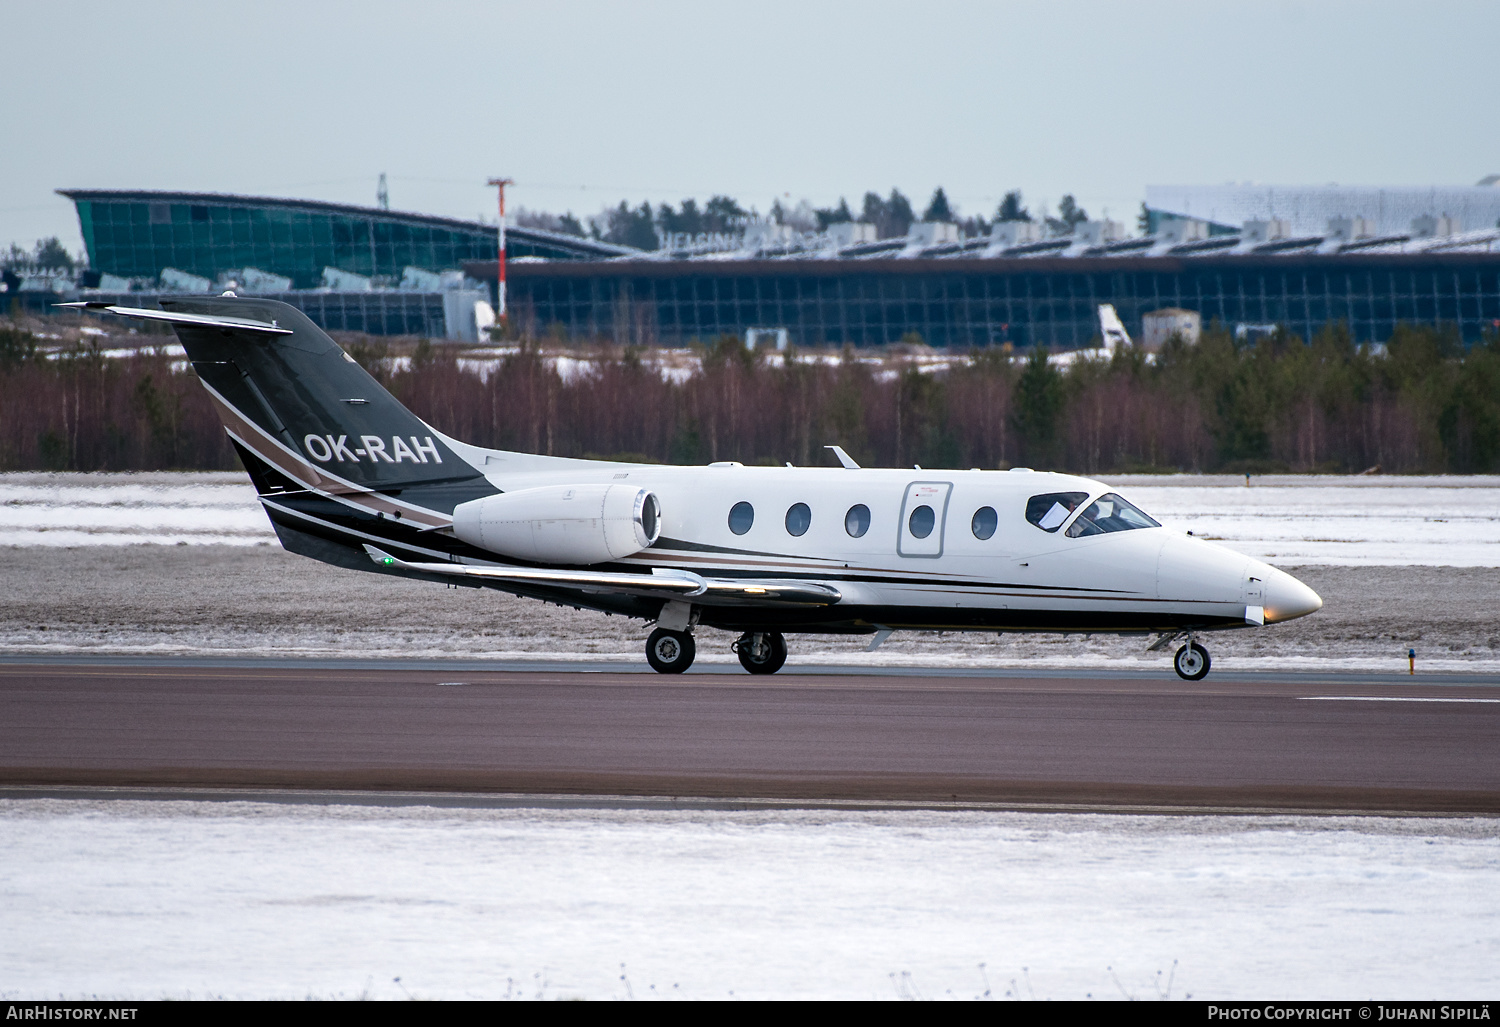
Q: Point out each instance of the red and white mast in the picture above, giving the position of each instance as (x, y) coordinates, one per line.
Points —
(500, 292)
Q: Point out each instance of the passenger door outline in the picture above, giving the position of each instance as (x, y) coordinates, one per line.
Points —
(918, 493)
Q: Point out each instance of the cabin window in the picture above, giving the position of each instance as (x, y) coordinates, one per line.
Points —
(1049, 511)
(741, 516)
(921, 521)
(985, 522)
(857, 520)
(1109, 513)
(797, 519)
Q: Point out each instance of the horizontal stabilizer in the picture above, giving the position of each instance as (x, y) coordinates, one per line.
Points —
(677, 585)
(241, 324)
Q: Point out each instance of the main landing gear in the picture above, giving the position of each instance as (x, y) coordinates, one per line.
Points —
(670, 652)
(761, 652)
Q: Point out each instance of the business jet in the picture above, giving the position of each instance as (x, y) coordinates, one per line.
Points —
(350, 477)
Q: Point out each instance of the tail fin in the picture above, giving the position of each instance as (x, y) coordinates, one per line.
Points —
(1111, 328)
(299, 403)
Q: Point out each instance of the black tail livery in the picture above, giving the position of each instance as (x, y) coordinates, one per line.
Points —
(337, 460)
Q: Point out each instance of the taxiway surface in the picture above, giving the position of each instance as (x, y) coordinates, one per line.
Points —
(1248, 741)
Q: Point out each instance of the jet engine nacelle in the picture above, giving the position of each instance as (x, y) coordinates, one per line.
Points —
(568, 524)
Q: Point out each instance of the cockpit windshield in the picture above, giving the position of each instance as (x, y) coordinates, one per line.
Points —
(1109, 513)
(1048, 512)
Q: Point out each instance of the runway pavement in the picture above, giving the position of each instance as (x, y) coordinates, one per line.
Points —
(1324, 742)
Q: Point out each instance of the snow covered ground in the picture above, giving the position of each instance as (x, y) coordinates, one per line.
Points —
(66, 510)
(1287, 520)
(240, 899)
(1296, 521)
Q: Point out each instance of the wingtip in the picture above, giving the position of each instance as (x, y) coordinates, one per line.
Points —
(380, 556)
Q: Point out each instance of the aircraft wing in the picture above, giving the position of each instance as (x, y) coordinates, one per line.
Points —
(678, 585)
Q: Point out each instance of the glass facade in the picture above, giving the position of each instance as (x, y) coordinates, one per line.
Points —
(136, 235)
(988, 302)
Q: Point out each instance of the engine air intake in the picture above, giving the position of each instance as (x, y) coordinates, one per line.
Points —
(576, 525)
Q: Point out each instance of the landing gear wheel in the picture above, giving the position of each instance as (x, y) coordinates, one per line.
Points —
(761, 652)
(1192, 662)
(670, 652)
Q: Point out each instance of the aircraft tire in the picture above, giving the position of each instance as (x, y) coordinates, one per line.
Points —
(670, 652)
(774, 658)
(1192, 662)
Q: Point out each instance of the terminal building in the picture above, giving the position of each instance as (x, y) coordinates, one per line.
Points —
(1296, 258)
(1248, 258)
(350, 268)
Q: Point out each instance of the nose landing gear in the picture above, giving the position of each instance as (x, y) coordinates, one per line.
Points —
(761, 652)
(670, 652)
(1192, 662)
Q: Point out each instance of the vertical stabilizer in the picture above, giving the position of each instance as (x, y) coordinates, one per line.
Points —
(1111, 329)
(301, 405)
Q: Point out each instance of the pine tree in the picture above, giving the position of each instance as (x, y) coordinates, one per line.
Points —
(899, 215)
(690, 220)
(632, 227)
(938, 209)
(1010, 208)
(51, 255)
(1070, 212)
(834, 215)
(721, 214)
(1038, 402)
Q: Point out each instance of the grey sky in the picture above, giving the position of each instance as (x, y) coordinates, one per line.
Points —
(587, 103)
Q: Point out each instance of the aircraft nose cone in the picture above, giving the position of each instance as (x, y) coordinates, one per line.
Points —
(1286, 598)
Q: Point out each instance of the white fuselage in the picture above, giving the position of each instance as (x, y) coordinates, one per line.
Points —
(1020, 575)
